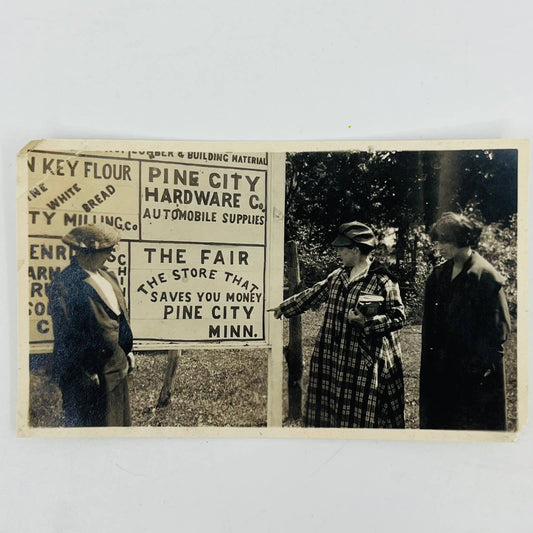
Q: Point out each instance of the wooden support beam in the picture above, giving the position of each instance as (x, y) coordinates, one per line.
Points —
(293, 352)
(170, 374)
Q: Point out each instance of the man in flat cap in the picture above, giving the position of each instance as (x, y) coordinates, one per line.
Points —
(356, 377)
(92, 336)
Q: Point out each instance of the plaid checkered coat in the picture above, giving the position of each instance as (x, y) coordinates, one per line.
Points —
(356, 376)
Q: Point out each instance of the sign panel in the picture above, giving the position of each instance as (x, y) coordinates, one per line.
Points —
(190, 203)
(194, 225)
(196, 292)
(67, 190)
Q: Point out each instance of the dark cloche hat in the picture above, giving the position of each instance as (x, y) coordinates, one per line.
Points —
(92, 237)
(355, 233)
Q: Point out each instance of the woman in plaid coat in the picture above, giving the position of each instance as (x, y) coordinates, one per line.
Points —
(356, 377)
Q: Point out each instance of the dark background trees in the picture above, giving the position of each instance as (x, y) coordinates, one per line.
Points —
(400, 194)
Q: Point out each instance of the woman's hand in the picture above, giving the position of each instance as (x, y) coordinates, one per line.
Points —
(277, 312)
(90, 380)
(356, 318)
(131, 361)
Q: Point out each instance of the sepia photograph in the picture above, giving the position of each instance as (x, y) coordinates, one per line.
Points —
(182, 286)
(147, 275)
(401, 286)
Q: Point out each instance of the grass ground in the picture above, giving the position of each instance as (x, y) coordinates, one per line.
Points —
(212, 388)
(229, 387)
(410, 342)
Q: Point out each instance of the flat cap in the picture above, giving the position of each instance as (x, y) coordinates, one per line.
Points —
(92, 237)
(355, 233)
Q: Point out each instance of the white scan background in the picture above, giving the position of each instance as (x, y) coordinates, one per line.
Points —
(275, 70)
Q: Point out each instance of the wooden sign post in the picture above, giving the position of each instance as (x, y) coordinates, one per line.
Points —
(293, 353)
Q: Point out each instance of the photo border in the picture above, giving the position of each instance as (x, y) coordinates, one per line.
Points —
(276, 271)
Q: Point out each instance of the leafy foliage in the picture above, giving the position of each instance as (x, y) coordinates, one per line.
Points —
(400, 194)
(498, 246)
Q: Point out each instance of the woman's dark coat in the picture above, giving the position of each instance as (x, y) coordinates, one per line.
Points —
(466, 321)
(89, 338)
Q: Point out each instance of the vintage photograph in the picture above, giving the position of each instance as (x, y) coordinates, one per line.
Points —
(206, 286)
(146, 276)
(401, 294)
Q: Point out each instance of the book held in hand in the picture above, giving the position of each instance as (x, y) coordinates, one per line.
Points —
(369, 304)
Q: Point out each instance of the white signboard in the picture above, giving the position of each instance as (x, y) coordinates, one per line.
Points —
(193, 257)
